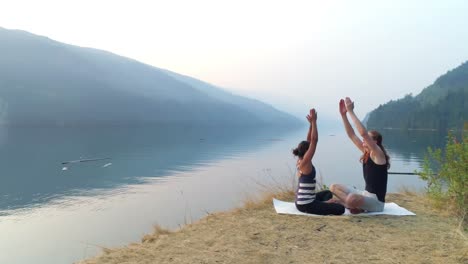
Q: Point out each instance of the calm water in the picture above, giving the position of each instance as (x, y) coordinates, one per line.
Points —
(56, 213)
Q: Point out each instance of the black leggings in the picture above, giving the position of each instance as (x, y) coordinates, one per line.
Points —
(319, 207)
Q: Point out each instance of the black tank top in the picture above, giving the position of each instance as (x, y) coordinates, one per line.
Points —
(376, 177)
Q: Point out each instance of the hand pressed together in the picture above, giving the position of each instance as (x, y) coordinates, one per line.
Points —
(312, 116)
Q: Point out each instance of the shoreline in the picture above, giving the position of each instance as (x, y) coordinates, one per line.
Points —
(254, 233)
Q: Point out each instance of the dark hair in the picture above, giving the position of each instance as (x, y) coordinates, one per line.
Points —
(301, 149)
(377, 137)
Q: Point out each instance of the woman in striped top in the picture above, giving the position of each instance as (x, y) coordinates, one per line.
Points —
(307, 200)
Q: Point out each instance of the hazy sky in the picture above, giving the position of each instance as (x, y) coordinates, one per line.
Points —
(292, 54)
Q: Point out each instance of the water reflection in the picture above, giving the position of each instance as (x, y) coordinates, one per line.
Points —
(32, 173)
(407, 149)
(410, 145)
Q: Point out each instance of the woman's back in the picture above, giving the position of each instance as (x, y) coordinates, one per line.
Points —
(376, 177)
(306, 188)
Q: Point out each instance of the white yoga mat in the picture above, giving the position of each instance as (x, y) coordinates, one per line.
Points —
(282, 207)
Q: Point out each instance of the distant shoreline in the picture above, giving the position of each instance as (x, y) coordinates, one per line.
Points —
(418, 129)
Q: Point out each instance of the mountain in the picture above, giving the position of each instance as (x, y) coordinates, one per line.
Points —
(259, 110)
(45, 82)
(442, 105)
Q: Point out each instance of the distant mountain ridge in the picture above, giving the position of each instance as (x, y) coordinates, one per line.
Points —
(442, 105)
(45, 82)
(258, 109)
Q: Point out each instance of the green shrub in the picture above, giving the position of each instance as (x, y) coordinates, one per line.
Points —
(446, 174)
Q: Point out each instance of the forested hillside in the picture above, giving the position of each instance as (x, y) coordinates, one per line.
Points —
(442, 105)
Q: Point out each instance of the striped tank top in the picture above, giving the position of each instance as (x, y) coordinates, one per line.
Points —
(305, 193)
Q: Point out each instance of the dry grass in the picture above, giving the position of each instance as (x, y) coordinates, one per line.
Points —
(256, 234)
(157, 232)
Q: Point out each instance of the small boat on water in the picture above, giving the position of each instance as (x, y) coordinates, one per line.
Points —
(83, 160)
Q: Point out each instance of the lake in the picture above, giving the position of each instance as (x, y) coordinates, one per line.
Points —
(173, 175)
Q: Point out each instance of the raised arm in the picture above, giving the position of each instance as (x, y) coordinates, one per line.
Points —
(309, 133)
(361, 129)
(349, 129)
(312, 118)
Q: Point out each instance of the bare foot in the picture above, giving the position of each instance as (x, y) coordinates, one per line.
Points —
(356, 210)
